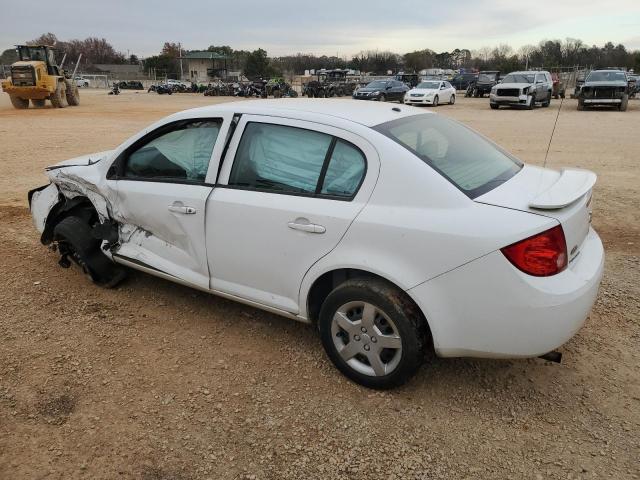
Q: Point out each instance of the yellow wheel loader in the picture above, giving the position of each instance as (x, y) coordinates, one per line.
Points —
(37, 77)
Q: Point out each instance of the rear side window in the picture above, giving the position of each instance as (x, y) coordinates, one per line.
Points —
(283, 159)
(473, 164)
(345, 171)
(280, 158)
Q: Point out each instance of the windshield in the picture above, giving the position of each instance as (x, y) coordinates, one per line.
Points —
(612, 76)
(469, 161)
(377, 84)
(487, 77)
(429, 85)
(519, 78)
(32, 53)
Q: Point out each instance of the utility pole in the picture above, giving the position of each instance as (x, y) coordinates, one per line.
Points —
(180, 50)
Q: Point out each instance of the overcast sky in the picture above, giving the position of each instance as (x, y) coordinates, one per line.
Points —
(323, 26)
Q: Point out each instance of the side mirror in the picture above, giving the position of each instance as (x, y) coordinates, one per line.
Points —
(389, 87)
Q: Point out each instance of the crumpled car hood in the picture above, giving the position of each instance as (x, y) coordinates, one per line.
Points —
(83, 160)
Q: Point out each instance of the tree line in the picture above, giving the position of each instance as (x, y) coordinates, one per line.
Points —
(547, 54)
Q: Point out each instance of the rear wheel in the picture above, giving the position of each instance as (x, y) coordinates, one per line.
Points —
(37, 102)
(75, 243)
(452, 100)
(72, 94)
(20, 103)
(58, 97)
(373, 333)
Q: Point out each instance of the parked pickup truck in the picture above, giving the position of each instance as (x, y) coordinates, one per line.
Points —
(604, 88)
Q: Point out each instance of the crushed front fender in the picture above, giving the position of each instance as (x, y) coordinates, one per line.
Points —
(41, 201)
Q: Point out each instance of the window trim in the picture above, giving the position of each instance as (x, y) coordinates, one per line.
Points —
(323, 170)
(116, 170)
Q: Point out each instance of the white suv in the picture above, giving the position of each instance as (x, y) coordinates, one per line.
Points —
(522, 89)
(394, 230)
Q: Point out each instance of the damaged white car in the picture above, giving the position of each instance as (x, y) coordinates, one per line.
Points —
(396, 231)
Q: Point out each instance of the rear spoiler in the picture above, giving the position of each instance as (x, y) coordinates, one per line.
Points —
(571, 185)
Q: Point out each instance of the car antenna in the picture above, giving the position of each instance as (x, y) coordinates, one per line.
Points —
(546, 155)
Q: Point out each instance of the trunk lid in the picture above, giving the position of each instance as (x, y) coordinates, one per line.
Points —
(564, 196)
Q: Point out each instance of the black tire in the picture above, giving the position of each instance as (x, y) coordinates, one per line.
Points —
(580, 104)
(452, 100)
(19, 103)
(532, 105)
(58, 97)
(382, 98)
(73, 235)
(408, 321)
(625, 102)
(436, 100)
(277, 93)
(72, 94)
(38, 102)
(494, 106)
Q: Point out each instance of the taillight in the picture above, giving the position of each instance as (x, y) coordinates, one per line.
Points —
(542, 255)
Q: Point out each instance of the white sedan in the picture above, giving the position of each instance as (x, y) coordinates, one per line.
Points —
(395, 231)
(431, 92)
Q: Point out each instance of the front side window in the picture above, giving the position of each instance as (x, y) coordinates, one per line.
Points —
(183, 153)
(290, 160)
(467, 160)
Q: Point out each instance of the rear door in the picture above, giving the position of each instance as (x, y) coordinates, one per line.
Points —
(287, 193)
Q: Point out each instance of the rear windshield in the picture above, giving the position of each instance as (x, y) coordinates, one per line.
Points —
(469, 161)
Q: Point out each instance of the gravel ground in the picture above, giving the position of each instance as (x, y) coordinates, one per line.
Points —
(155, 381)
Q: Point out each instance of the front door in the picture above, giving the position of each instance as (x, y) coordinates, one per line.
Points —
(288, 192)
(161, 198)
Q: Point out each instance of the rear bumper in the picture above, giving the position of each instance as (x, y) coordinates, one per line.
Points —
(488, 308)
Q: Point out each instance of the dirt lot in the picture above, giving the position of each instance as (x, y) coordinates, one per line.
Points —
(155, 381)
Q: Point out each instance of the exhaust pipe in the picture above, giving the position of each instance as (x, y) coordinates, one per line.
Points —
(554, 356)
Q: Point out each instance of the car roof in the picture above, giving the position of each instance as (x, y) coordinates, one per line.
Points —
(364, 113)
(531, 72)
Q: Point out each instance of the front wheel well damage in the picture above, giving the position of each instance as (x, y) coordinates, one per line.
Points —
(328, 281)
(80, 207)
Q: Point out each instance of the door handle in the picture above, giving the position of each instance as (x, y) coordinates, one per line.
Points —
(182, 209)
(304, 225)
